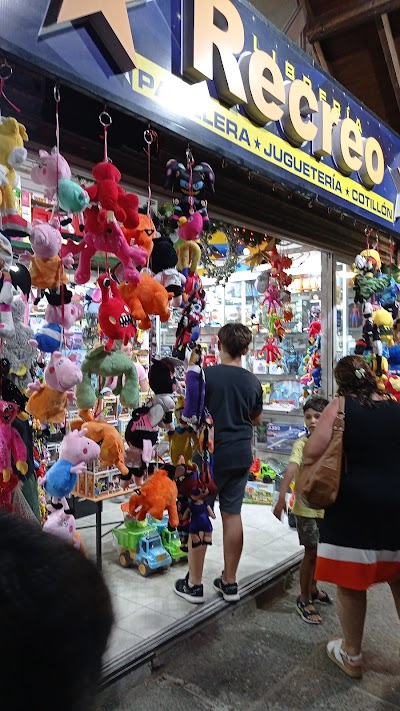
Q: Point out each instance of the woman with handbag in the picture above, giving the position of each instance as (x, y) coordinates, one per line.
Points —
(360, 536)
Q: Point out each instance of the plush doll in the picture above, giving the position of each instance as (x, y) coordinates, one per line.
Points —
(115, 318)
(158, 494)
(188, 250)
(394, 359)
(271, 350)
(163, 384)
(109, 239)
(195, 388)
(12, 156)
(392, 386)
(173, 282)
(200, 527)
(11, 392)
(7, 329)
(193, 182)
(46, 266)
(271, 297)
(371, 340)
(141, 436)
(143, 234)
(18, 350)
(12, 448)
(54, 173)
(48, 401)
(183, 440)
(110, 199)
(164, 255)
(109, 439)
(63, 307)
(76, 452)
(145, 298)
(314, 329)
(48, 339)
(188, 330)
(383, 319)
(108, 364)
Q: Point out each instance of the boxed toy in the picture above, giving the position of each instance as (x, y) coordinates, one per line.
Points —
(281, 437)
(256, 492)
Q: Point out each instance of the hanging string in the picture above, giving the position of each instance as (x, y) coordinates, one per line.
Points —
(106, 121)
(190, 164)
(6, 71)
(150, 137)
(56, 206)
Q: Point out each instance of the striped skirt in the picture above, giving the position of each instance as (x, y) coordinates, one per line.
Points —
(356, 568)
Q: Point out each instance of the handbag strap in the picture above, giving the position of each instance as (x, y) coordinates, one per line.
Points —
(338, 425)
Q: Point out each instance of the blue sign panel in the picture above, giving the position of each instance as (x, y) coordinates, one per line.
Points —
(270, 107)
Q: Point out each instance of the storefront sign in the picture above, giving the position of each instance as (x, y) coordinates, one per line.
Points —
(216, 72)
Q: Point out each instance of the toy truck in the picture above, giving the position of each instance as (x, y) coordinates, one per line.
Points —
(170, 539)
(140, 544)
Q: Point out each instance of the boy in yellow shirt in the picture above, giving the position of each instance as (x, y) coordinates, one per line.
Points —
(307, 520)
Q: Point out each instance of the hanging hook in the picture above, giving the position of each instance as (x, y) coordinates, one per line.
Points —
(56, 92)
(105, 119)
(6, 70)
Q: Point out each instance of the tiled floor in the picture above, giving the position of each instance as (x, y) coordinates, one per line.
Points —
(144, 606)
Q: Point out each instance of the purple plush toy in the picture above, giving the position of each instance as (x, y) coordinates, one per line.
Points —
(195, 388)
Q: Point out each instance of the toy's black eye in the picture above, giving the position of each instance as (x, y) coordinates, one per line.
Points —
(107, 283)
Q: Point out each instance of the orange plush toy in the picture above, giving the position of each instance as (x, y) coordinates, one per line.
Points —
(111, 442)
(142, 234)
(146, 298)
(158, 493)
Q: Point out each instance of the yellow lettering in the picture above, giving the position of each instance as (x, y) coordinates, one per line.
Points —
(273, 55)
(337, 106)
(307, 80)
(255, 43)
(322, 94)
(290, 71)
(359, 126)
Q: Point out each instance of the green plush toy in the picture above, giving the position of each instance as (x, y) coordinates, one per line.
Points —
(112, 365)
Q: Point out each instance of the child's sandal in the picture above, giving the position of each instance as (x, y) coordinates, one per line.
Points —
(307, 614)
(352, 666)
(322, 597)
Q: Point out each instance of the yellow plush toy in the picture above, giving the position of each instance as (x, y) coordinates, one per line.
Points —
(183, 440)
(383, 319)
(12, 156)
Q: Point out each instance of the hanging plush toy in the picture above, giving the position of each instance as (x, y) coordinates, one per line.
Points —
(193, 181)
(188, 330)
(189, 252)
(141, 436)
(109, 197)
(163, 263)
(54, 173)
(110, 239)
(7, 329)
(146, 298)
(195, 388)
(106, 435)
(371, 340)
(63, 525)
(12, 156)
(143, 234)
(12, 448)
(200, 527)
(46, 266)
(271, 350)
(18, 350)
(115, 316)
(48, 401)
(11, 392)
(76, 452)
(63, 307)
(158, 494)
(163, 384)
(183, 440)
(108, 364)
(48, 339)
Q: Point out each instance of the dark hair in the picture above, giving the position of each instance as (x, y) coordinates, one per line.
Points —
(235, 338)
(315, 403)
(55, 618)
(354, 377)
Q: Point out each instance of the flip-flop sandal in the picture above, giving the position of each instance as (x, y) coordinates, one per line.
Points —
(307, 614)
(324, 600)
(352, 666)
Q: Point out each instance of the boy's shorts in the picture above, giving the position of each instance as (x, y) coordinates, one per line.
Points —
(308, 530)
(231, 485)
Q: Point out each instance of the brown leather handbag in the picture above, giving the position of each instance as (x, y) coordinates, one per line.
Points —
(317, 484)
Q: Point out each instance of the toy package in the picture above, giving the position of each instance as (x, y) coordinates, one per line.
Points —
(281, 437)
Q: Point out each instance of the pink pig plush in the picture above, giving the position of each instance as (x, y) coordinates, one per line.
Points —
(54, 173)
(48, 402)
(12, 447)
(46, 266)
(76, 451)
(73, 311)
(63, 526)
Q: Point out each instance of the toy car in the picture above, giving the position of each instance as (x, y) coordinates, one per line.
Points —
(139, 543)
(170, 539)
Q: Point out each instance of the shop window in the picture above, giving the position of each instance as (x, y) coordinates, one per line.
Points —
(348, 314)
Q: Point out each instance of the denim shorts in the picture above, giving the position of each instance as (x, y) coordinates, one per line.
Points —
(308, 530)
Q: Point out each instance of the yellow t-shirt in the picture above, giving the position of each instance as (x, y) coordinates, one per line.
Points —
(297, 458)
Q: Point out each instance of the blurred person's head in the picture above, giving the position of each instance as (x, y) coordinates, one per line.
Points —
(55, 619)
(354, 377)
(312, 409)
(234, 340)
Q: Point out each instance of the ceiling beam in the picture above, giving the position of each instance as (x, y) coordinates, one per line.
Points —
(358, 12)
(295, 26)
(316, 46)
(390, 53)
